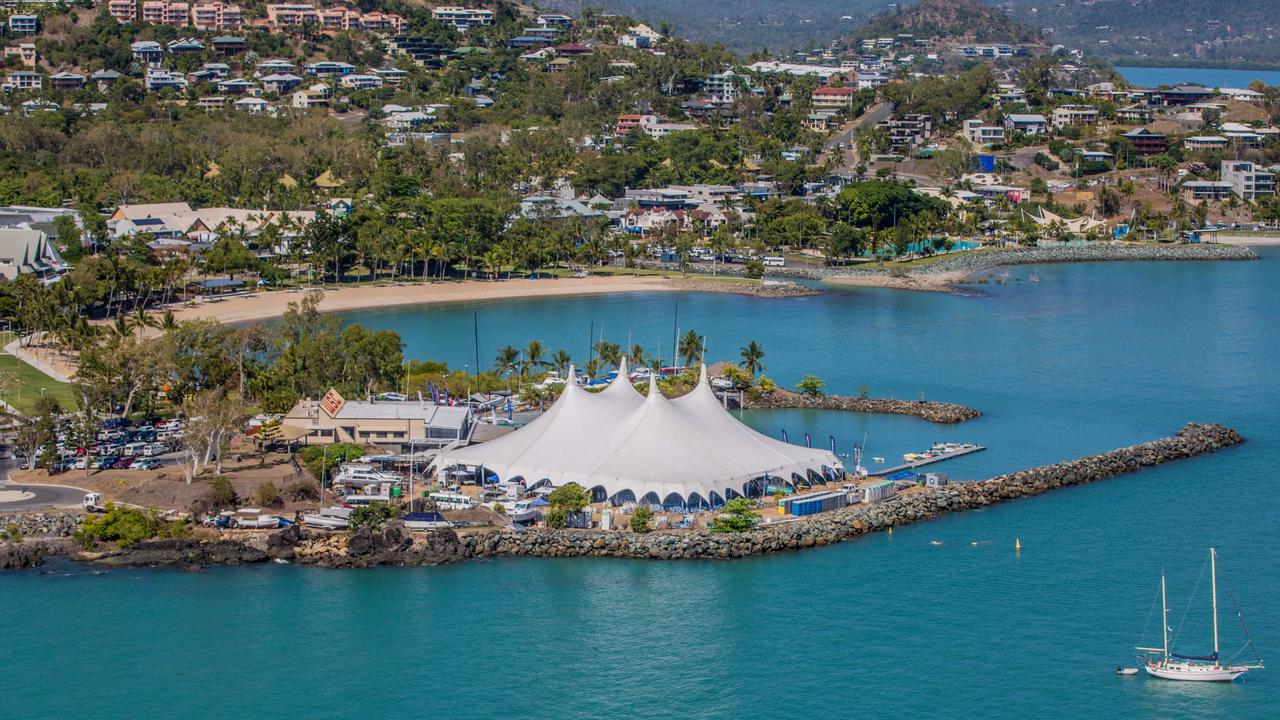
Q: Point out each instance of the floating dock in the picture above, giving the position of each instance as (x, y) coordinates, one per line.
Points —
(928, 461)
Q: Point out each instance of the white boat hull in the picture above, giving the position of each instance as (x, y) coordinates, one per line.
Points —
(324, 522)
(1194, 672)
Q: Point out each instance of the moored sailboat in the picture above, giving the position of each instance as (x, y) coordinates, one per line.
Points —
(1160, 662)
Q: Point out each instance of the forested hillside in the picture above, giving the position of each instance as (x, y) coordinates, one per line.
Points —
(1183, 31)
(969, 19)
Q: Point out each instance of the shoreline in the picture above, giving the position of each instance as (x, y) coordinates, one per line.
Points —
(947, 274)
(393, 544)
(272, 304)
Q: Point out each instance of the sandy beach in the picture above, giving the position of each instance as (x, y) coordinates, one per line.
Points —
(268, 305)
(1255, 240)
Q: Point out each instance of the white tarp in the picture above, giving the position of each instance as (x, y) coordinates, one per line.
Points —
(689, 450)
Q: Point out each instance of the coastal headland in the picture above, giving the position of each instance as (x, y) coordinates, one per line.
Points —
(394, 545)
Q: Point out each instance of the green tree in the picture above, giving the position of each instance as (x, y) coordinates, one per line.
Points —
(373, 516)
(738, 516)
(640, 519)
(811, 385)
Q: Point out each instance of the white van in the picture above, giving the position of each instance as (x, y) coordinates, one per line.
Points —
(134, 448)
(153, 449)
(775, 261)
(452, 501)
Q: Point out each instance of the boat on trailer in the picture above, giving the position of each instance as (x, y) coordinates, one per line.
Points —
(1161, 663)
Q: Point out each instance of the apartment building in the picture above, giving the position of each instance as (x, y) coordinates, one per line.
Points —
(123, 10)
(216, 16)
(289, 15)
(833, 98)
(1248, 180)
(979, 133)
(462, 18)
(1075, 116)
(25, 52)
(159, 12)
(24, 24)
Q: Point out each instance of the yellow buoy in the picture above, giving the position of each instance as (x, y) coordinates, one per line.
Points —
(1017, 545)
(890, 529)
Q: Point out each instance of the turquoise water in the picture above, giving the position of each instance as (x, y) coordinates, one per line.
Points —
(1090, 358)
(1209, 77)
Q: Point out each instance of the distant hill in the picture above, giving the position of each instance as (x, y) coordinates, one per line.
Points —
(743, 25)
(958, 19)
(1173, 32)
(1146, 31)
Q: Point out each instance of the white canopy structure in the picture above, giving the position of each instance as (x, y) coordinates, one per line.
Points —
(624, 446)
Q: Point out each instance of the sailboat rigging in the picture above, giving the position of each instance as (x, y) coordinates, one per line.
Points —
(1160, 662)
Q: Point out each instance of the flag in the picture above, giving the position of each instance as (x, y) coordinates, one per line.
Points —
(807, 442)
(784, 436)
(833, 444)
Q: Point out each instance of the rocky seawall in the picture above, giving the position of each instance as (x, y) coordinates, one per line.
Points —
(938, 412)
(846, 523)
(59, 524)
(754, 288)
(393, 544)
(969, 264)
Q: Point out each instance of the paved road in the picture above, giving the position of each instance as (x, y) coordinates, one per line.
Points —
(849, 156)
(42, 497)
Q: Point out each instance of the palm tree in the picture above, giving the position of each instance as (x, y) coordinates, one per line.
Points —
(609, 353)
(533, 356)
(690, 347)
(752, 355)
(167, 322)
(142, 320)
(560, 361)
(508, 361)
(637, 355)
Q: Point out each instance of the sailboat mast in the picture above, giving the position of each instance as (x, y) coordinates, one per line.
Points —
(1213, 574)
(1164, 618)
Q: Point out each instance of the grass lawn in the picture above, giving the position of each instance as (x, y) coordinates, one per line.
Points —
(25, 390)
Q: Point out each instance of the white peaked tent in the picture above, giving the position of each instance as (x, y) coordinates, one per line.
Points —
(626, 446)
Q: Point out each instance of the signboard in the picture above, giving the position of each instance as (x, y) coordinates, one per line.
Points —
(332, 403)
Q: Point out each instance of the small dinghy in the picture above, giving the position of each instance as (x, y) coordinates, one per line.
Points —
(1126, 671)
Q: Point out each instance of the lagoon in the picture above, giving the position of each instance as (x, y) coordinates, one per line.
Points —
(1090, 357)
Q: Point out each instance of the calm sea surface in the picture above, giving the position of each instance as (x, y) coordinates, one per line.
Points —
(1089, 358)
(1209, 77)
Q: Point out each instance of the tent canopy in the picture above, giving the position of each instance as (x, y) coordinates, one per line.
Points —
(623, 445)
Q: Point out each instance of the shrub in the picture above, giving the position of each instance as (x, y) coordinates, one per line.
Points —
(767, 385)
(640, 519)
(222, 493)
(1046, 162)
(572, 497)
(12, 534)
(811, 385)
(303, 490)
(738, 516)
(372, 516)
(269, 495)
(499, 508)
(755, 269)
(321, 460)
(557, 516)
(126, 526)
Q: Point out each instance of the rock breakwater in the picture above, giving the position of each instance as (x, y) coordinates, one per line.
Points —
(828, 528)
(393, 544)
(938, 412)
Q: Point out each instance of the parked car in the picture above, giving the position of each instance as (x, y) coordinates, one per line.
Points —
(145, 463)
(154, 449)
